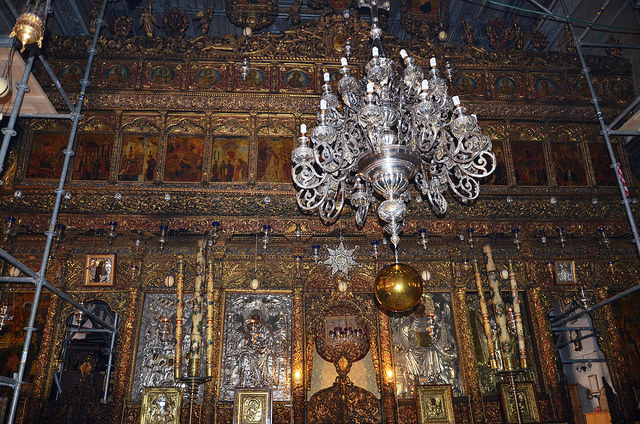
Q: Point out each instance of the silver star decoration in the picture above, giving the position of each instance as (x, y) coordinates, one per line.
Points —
(340, 259)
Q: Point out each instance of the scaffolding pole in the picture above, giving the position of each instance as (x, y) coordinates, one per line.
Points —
(9, 132)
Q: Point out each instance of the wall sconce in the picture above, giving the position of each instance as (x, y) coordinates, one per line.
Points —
(215, 233)
(266, 230)
(245, 68)
(135, 268)
(298, 231)
(9, 229)
(375, 246)
(112, 234)
(604, 240)
(164, 331)
(79, 314)
(163, 233)
(561, 238)
(298, 262)
(316, 252)
(5, 314)
(516, 238)
(60, 234)
(422, 241)
(470, 237)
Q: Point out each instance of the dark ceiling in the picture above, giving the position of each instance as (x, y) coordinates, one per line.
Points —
(619, 18)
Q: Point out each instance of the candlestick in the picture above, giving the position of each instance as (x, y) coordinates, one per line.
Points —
(485, 317)
(499, 308)
(177, 369)
(518, 317)
(196, 318)
(210, 324)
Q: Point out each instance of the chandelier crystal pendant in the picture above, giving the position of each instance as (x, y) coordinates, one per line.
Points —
(393, 128)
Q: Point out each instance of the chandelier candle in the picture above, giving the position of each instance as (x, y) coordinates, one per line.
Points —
(393, 129)
(485, 317)
(518, 317)
(499, 309)
(177, 363)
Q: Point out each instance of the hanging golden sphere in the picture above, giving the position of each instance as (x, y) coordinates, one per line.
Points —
(398, 287)
(29, 29)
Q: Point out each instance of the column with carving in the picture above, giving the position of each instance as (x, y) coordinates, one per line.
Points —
(546, 355)
(126, 332)
(467, 358)
(610, 343)
(386, 363)
(216, 256)
(44, 357)
(297, 337)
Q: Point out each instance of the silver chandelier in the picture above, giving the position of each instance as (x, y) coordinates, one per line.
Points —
(392, 129)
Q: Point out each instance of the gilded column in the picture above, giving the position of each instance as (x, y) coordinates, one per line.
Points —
(297, 354)
(213, 343)
(610, 343)
(470, 379)
(386, 364)
(518, 317)
(126, 332)
(177, 363)
(195, 350)
(213, 297)
(546, 354)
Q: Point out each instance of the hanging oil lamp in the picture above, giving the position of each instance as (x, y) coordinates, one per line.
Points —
(29, 27)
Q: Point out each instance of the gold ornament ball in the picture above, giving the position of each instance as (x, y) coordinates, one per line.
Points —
(398, 287)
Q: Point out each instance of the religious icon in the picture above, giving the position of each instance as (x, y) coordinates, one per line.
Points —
(529, 163)
(605, 176)
(138, 158)
(12, 337)
(545, 88)
(100, 270)
(570, 170)
(255, 78)
(297, 79)
(425, 6)
(161, 405)
(565, 272)
(117, 74)
(274, 159)
(619, 90)
(523, 407)
(184, 158)
(505, 85)
(207, 77)
(162, 75)
(71, 74)
(252, 406)
(230, 159)
(93, 157)
(46, 157)
(466, 85)
(499, 176)
(435, 404)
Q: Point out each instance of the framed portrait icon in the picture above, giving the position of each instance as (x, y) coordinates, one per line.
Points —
(565, 272)
(252, 406)
(100, 270)
(161, 405)
(435, 404)
(524, 402)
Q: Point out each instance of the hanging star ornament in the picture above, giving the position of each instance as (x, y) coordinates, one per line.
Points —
(340, 259)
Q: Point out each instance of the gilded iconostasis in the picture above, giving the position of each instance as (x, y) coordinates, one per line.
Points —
(180, 188)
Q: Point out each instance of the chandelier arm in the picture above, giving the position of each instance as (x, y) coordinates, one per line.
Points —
(310, 200)
(466, 188)
(305, 176)
(330, 209)
(478, 168)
